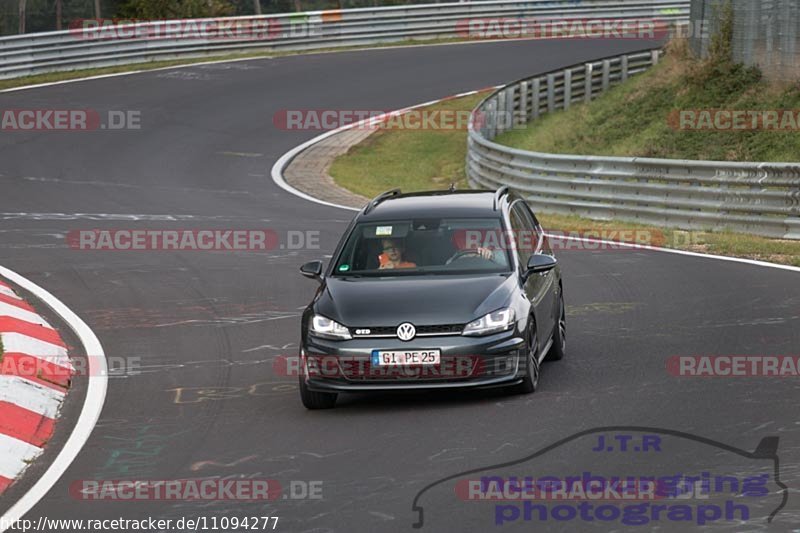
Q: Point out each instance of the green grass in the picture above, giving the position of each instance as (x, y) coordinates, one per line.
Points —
(412, 159)
(632, 119)
(416, 160)
(151, 65)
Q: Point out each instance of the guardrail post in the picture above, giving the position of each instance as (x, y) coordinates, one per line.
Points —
(606, 73)
(508, 120)
(522, 115)
(624, 68)
(491, 119)
(654, 56)
(567, 88)
(501, 105)
(551, 93)
(536, 93)
(587, 83)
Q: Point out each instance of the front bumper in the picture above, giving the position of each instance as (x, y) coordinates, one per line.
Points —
(466, 363)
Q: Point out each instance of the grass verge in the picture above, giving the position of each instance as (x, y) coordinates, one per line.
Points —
(640, 118)
(417, 160)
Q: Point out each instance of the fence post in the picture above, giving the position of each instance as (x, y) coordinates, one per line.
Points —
(509, 121)
(551, 92)
(606, 72)
(567, 88)
(624, 68)
(536, 98)
(499, 109)
(587, 83)
(521, 116)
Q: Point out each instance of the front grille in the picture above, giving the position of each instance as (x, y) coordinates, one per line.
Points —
(391, 331)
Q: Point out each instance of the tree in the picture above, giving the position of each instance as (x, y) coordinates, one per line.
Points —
(22, 7)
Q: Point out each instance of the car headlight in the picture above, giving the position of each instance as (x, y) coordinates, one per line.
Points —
(494, 322)
(328, 329)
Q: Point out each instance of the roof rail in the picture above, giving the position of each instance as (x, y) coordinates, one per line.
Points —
(497, 195)
(378, 199)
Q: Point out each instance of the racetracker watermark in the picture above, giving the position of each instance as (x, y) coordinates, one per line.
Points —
(57, 369)
(220, 240)
(734, 120)
(208, 489)
(734, 366)
(601, 239)
(411, 119)
(69, 120)
(584, 487)
(555, 28)
(373, 367)
(256, 29)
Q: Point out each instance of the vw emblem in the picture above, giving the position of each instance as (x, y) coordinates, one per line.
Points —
(406, 331)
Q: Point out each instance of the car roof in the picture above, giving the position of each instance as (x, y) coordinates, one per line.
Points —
(467, 204)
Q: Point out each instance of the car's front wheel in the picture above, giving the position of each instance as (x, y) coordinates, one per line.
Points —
(560, 334)
(531, 352)
(316, 400)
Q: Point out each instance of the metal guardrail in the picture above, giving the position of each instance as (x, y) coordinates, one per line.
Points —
(757, 198)
(79, 48)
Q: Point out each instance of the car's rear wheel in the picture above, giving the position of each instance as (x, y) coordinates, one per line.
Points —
(316, 400)
(530, 380)
(559, 346)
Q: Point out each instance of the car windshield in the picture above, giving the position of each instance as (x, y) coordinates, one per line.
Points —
(424, 246)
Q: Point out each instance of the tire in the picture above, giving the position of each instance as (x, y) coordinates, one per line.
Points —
(316, 400)
(532, 370)
(559, 346)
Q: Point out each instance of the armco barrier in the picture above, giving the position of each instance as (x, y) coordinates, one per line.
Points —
(78, 49)
(756, 198)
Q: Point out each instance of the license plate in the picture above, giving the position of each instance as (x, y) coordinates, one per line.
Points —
(405, 357)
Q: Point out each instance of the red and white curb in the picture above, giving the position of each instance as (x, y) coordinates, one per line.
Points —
(93, 402)
(35, 374)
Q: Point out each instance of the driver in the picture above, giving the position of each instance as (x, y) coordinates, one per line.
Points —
(465, 250)
(392, 256)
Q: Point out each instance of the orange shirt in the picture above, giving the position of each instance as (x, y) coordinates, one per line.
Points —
(384, 260)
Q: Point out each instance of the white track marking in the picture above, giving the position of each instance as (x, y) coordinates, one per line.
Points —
(31, 396)
(90, 412)
(13, 454)
(753, 262)
(22, 314)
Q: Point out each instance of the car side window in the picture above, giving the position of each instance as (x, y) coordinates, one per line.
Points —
(524, 233)
(535, 236)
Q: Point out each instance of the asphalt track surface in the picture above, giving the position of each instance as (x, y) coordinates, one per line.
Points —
(208, 325)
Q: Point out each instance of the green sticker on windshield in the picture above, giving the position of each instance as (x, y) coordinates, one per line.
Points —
(344, 268)
(383, 231)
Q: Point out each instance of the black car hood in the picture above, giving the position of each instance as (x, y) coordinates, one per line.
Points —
(429, 300)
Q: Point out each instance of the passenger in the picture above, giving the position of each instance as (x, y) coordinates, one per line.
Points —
(392, 256)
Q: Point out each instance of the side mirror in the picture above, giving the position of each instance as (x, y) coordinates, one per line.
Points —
(538, 263)
(312, 269)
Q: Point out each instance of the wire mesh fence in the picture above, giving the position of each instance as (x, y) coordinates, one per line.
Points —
(766, 33)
